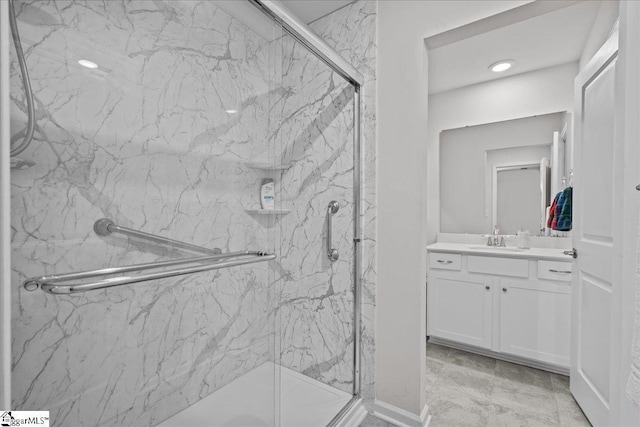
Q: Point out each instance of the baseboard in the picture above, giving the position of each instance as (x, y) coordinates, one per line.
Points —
(399, 417)
(353, 416)
(556, 369)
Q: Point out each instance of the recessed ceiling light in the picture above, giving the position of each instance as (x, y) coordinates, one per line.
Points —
(501, 66)
(231, 111)
(88, 64)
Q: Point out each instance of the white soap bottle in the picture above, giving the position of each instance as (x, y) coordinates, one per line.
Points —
(267, 196)
(524, 239)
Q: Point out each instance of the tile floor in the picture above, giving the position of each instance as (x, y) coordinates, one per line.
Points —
(465, 389)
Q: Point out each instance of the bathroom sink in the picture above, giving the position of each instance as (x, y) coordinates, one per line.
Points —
(497, 248)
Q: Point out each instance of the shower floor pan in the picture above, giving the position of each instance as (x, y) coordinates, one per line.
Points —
(248, 401)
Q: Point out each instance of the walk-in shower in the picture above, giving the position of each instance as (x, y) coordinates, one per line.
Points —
(149, 285)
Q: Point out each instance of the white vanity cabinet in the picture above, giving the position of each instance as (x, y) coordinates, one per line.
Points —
(514, 308)
(464, 309)
(535, 320)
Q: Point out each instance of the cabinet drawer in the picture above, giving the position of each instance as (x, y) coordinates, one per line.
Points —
(499, 266)
(554, 270)
(445, 261)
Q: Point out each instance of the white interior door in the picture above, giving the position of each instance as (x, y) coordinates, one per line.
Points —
(593, 234)
(625, 409)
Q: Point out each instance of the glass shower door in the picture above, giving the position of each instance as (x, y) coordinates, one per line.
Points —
(151, 114)
(316, 139)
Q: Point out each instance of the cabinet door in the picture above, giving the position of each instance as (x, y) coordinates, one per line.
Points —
(460, 308)
(535, 320)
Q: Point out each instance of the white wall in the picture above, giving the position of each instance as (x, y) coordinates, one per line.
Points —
(465, 194)
(402, 136)
(524, 95)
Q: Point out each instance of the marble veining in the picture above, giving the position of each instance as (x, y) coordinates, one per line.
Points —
(146, 139)
(316, 137)
(150, 140)
(317, 140)
(352, 31)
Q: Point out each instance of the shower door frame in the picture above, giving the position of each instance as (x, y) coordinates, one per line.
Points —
(297, 29)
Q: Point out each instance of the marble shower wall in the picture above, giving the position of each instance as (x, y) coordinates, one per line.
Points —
(130, 141)
(316, 138)
(145, 140)
(352, 31)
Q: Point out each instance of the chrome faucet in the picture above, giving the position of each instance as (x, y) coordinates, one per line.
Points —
(495, 239)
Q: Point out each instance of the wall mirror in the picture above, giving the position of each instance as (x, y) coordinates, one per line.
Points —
(502, 174)
(514, 187)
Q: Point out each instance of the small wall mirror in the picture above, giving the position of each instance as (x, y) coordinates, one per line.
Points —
(501, 174)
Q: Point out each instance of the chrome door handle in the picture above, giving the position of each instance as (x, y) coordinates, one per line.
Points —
(573, 252)
(560, 271)
(332, 253)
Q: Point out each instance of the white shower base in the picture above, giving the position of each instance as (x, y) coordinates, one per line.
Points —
(249, 401)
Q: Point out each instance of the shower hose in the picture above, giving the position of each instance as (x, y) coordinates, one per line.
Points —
(31, 125)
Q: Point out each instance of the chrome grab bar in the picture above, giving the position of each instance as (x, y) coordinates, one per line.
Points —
(58, 284)
(332, 253)
(104, 227)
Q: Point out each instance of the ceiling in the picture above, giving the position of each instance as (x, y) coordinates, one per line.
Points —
(536, 36)
(310, 10)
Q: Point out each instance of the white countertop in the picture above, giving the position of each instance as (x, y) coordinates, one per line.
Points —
(551, 254)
